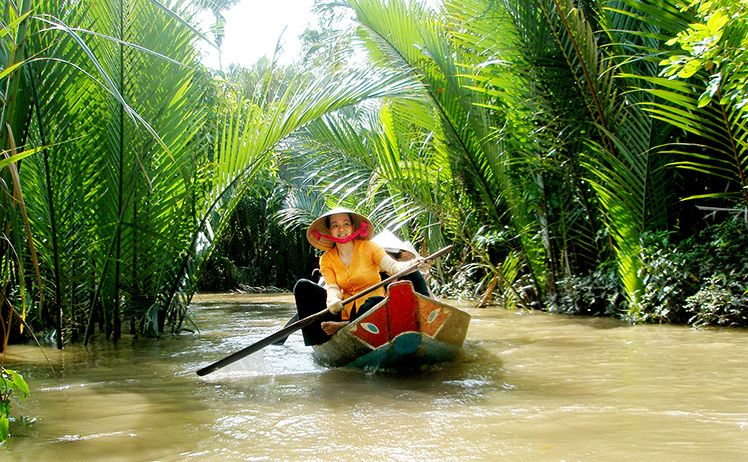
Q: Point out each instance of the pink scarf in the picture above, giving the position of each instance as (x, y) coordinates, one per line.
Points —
(362, 231)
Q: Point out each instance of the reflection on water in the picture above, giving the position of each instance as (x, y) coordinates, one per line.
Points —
(528, 387)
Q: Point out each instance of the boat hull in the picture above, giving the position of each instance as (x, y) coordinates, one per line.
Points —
(405, 330)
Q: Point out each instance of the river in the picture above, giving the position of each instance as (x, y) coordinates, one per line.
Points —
(529, 386)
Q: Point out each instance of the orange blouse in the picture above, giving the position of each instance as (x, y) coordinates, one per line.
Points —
(361, 274)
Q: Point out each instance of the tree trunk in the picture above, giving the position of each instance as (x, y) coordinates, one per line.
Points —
(489, 292)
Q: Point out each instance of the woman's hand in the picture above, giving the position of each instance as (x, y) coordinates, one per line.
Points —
(334, 306)
(424, 266)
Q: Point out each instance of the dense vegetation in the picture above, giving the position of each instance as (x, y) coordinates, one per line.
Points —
(585, 157)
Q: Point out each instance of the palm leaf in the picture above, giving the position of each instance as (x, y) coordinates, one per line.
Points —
(409, 37)
(244, 147)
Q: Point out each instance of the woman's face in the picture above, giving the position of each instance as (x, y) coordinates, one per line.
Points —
(340, 225)
(404, 255)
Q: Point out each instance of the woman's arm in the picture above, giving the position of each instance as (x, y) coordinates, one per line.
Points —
(334, 294)
(334, 299)
(391, 266)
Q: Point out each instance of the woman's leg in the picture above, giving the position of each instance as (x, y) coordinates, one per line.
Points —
(332, 327)
(311, 299)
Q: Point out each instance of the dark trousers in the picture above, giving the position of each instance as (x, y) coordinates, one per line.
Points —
(419, 283)
(416, 278)
(311, 298)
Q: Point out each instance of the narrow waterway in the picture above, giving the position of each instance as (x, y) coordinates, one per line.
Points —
(529, 387)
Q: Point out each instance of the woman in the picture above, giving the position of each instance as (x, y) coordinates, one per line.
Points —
(404, 251)
(350, 263)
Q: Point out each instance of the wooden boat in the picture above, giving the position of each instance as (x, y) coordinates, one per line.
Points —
(405, 330)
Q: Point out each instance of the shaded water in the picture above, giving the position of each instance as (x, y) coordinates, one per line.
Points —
(529, 387)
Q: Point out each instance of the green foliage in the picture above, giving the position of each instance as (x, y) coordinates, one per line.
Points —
(721, 301)
(108, 206)
(720, 262)
(538, 135)
(425, 159)
(668, 280)
(598, 293)
(459, 283)
(16, 248)
(525, 139)
(143, 161)
(701, 281)
(701, 90)
(12, 385)
(541, 140)
(719, 248)
(256, 250)
(326, 45)
(716, 45)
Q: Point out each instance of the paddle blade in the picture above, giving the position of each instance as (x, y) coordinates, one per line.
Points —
(290, 321)
(260, 344)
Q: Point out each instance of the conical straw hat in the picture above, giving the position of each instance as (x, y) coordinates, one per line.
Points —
(387, 240)
(320, 226)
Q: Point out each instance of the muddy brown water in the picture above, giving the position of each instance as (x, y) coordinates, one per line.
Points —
(528, 387)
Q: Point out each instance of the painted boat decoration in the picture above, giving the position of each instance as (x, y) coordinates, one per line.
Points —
(405, 330)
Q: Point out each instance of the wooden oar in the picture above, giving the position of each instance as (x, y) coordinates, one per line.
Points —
(293, 319)
(300, 324)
